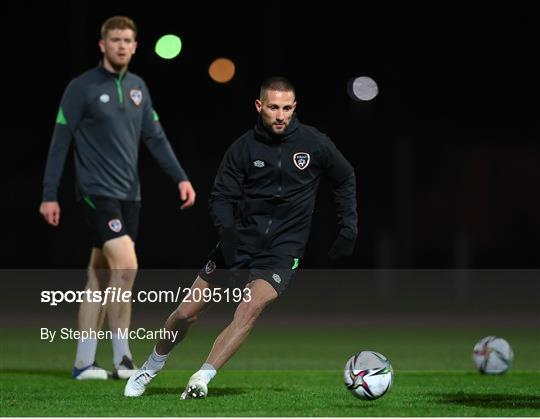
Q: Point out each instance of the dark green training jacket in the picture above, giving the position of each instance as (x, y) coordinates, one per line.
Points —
(267, 184)
(107, 115)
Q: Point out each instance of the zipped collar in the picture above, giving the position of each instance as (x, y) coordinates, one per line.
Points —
(266, 136)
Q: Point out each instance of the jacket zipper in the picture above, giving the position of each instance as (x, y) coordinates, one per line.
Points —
(279, 189)
(119, 90)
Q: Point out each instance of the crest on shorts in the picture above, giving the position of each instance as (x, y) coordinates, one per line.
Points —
(115, 225)
(210, 267)
(301, 160)
(136, 96)
(276, 278)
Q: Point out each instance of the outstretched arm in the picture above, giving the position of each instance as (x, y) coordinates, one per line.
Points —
(227, 190)
(155, 139)
(340, 173)
(67, 120)
(345, 199)
(224, 198)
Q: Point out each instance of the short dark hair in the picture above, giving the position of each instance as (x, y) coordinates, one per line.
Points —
(281, 84)
(118, 22)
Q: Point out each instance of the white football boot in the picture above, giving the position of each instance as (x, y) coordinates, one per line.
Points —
(196, 388)
(91, 372)
(125, 370)
(137, 383)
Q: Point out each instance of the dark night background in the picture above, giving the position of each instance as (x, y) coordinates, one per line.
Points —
(446, 157)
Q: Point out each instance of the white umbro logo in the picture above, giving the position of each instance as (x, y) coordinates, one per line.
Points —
(276, 278)
(258, 163)
(104, 98)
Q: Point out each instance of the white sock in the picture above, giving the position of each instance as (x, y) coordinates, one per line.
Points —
(206, 372)
(86, 352)
(120, 348)
(156, 362)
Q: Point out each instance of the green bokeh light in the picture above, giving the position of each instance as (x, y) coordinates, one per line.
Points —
(168, 46)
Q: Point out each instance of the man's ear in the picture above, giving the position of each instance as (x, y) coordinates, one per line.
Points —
(258, 105)
(101, 44)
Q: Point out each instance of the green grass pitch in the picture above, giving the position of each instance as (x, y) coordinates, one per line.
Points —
(281, 371)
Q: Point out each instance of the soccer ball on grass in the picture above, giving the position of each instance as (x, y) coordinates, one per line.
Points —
(492, 355)
(368, 375)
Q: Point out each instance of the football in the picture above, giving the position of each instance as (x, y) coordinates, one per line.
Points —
(368, 375)
(492, 355)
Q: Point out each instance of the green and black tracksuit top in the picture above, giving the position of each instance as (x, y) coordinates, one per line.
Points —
(267, 184)
(107, 114)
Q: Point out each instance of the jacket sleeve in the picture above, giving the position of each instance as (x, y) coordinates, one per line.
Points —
(340, 173)
(228, 188)
(155, 139)
(68, 118)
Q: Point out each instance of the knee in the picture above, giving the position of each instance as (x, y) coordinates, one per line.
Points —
(124, 266)
(123, 276)
(249, 311)
(120, 254)
(183, 316)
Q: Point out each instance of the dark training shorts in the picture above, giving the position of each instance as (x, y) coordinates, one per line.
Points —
(109, 218)
(277, 270)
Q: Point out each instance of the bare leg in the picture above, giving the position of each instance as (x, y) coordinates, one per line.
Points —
(122, 260)
(232, 337)
(121, 257)
(91, 314)
(182, 318)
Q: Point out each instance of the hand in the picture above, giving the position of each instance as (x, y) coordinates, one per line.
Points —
(187, 194)
(342, 247)
(228, 245)
(50, 210)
